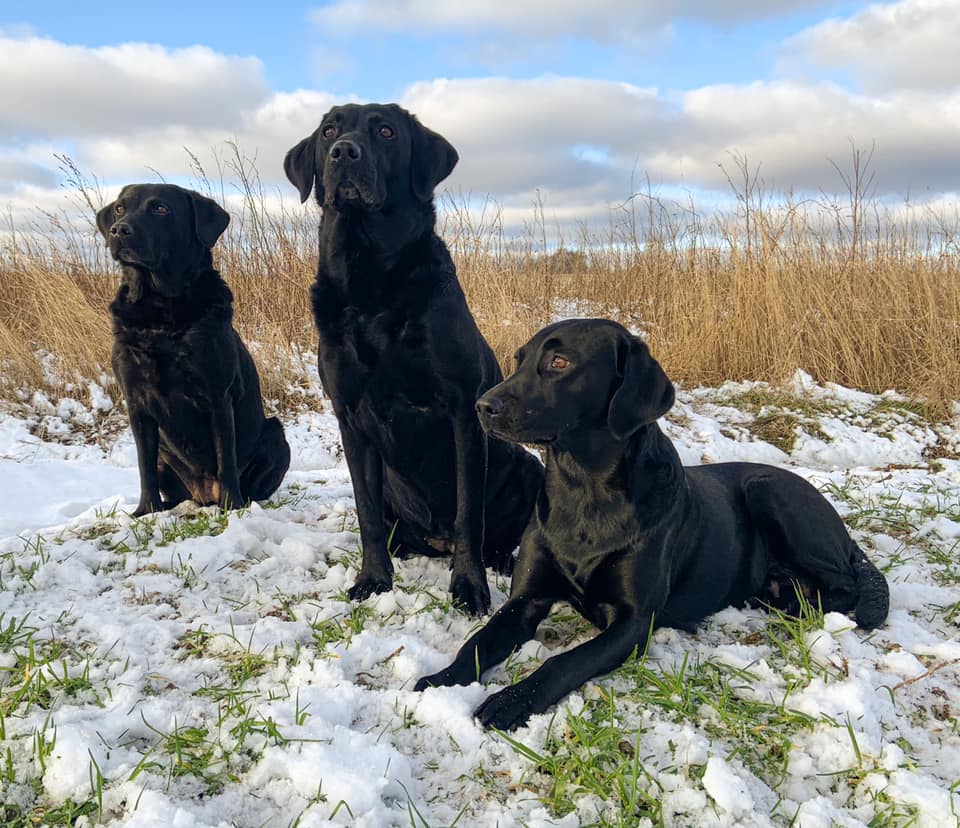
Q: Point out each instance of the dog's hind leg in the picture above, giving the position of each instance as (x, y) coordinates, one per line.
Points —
(263, 474)
(809, 547)
(171, 487)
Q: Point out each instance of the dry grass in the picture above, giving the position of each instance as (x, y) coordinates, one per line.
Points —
(847, 291)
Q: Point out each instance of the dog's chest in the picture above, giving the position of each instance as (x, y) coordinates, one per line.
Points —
(375, 355)
(156, 367)
(591, 540)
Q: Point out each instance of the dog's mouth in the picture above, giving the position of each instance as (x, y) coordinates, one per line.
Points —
(350, 191)
(513, 432)
(350, 195)
(127, 255)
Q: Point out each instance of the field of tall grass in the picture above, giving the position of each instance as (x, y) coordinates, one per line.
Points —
(849, 289)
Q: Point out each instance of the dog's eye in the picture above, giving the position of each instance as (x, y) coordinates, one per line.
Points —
(329, 131)
(118, 209)
(386, 131)
(160, 209)
(559, 362)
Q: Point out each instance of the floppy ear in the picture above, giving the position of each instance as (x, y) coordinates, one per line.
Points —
(645, 392)
(300, 165)
(105, 218)
(432, 159)
(210, 217)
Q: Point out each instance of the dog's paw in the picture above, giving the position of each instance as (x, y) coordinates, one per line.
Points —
(508, 709)
(367, 585)
(440, 679)
(447, 677)
(231, 499)
(471, 591)
(147, 507)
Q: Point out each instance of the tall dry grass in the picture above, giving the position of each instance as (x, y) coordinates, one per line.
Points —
(848, 290)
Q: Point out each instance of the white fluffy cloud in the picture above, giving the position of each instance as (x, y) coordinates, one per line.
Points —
(123, 111)
(51, 89)
(795, 129)
(557, 134)
(540, 19)
(910, 44)
(572, 137)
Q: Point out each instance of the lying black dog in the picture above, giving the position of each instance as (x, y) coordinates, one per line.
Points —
(192, 391)
(629, 536)
(401, 356)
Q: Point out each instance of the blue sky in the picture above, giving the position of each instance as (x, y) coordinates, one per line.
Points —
(589, 99)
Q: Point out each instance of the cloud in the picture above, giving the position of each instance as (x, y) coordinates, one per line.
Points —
(795, 129)
(910, 44)
(125, 110)
(515, 136)
(518, 136)
(603, 20)
(51, 88)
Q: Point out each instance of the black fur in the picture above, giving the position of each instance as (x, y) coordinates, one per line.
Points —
(401, 357)
(192, 390)
(630, 537)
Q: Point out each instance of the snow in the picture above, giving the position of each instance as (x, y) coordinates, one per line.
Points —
(211, 668)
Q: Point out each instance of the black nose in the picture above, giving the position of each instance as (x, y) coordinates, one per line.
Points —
(121, 228)
(490, 406)
(345, 150)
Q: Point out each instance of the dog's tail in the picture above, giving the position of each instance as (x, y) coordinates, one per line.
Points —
(873, 593)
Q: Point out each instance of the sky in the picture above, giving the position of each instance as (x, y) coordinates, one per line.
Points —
(575, 105)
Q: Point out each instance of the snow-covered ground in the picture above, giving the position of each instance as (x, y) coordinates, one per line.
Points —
(205, 669)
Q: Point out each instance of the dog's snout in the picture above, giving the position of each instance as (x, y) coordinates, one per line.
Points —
(346, 150)
(490, 406)
(121, 228)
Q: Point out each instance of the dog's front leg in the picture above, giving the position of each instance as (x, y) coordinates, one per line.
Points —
(146, 436)
(513, 624)
(468, 581)
(225, 445)
(510, 708)
(366, 474)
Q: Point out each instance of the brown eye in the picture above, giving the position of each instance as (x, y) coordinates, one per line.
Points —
(329, 131)
(559, 362)
(386, 131)
(118, 209)
(160, 209)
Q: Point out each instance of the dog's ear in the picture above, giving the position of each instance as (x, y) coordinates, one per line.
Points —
(645, 391)
(211, 219)
(432, 159)
(105, 218)
(300, 165)
(108, 215)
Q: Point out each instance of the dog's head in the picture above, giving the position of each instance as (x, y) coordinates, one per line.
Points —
(580, 374)
(370, 157)
(163, 230)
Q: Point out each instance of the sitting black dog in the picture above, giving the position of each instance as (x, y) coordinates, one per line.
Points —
(192, 390)
(629, 536)
(401, 357)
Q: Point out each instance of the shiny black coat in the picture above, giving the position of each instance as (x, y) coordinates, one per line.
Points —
(190, 385)
(401, 357)
(630, 537)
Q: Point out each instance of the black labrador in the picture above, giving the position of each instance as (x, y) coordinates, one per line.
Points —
(401, 357)
(192, 390)
(629, 536)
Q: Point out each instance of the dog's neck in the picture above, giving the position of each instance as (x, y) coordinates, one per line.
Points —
(646, 464)
(138, 300)
(386, 233)
(139, 282)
